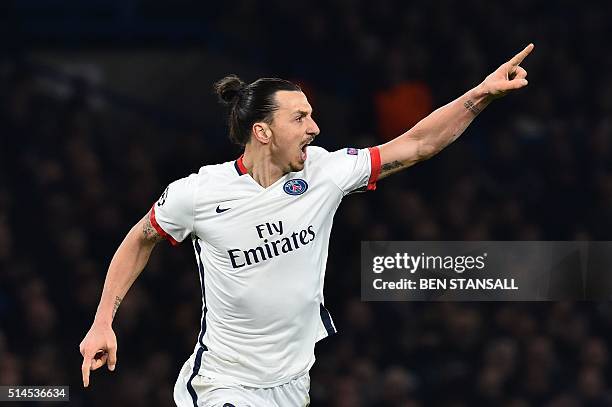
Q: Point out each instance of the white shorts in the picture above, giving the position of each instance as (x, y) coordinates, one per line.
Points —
(199, 391)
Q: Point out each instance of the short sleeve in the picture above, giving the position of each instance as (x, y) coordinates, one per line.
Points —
(354, 169)
(173, 214)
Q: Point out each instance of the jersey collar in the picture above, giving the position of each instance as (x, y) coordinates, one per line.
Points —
(239, 165)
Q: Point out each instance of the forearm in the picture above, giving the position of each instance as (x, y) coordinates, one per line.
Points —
(447, 123)
(100, 343)
(128, 262)
(433, 133)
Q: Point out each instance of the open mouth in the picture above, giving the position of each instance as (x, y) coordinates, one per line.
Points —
(304, 147)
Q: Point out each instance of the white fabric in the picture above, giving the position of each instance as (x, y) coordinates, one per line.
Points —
(212, 393)
(263, 259)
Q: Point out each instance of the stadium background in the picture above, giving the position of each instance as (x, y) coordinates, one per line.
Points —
(103, 103)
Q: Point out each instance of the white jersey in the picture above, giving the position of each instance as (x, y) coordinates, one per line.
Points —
(261, 253)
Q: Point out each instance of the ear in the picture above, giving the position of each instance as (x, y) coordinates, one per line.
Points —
(262, 132)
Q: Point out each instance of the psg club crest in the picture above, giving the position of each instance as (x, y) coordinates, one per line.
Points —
(295, 186)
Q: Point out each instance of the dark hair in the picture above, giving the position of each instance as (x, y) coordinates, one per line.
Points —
(250, 103)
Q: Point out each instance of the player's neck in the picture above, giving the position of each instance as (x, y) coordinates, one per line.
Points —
(259, 164)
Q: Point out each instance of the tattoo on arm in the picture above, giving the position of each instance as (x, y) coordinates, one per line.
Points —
(116, 305)
(390, 168)
(149, 232)
(469, 105)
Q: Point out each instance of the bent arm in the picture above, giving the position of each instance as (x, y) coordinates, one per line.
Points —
(99, 346)
(128, 262)
(433, 133)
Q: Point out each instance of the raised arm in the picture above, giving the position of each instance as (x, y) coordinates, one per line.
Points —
(100, 344)
(446, 124)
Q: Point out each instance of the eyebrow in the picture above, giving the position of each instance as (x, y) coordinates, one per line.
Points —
(301, 112)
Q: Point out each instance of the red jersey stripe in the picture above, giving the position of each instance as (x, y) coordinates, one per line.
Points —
(240, 166)
(375, 172)
(158, 228)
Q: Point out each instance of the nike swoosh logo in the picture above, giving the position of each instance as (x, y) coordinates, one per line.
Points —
(219, 210)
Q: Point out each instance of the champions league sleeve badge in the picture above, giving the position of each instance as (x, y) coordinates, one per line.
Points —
(351, 151)
(295, 186)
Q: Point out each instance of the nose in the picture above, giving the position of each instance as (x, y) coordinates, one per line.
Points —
(312, 129)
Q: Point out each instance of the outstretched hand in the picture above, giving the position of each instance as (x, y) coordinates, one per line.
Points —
(509, 76)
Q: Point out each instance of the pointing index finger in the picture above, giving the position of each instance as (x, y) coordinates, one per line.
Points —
(518, 58)
(85, 367)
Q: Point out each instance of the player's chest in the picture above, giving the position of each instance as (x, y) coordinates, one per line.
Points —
(247, 213)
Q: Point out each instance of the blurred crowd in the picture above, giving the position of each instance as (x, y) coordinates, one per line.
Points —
(536, 165)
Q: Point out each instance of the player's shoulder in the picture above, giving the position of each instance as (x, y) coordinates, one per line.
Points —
(208, 174)
(315, 152)
(215, 170)
(217, 173)
(319, 155)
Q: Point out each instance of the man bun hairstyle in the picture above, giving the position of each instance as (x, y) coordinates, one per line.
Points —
(228, 89)
(249, 103)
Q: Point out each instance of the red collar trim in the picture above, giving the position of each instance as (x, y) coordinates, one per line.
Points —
(240, 166)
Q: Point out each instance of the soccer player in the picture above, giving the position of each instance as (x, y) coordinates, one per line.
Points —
(260, 228)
